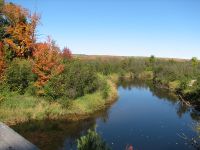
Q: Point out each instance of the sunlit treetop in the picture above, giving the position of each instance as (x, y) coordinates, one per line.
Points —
(19, 33)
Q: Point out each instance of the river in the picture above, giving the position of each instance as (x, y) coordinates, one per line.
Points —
(145, 117)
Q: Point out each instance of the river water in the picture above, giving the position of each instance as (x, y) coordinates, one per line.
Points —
(145, 117)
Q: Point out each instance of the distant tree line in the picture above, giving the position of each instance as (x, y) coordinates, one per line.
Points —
(182, 76)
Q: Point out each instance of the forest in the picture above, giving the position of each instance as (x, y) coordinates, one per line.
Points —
(38, 80)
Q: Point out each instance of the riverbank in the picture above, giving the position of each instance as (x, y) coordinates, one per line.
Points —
(189, 95)
(17, 108)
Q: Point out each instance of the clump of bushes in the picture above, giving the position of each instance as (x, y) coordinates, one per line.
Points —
(76, 80)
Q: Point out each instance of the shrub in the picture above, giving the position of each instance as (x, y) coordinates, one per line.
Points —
(92, 141)
(103, 86)
(19, 75)
(31, 89)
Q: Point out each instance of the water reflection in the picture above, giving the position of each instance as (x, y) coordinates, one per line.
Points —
(163, 94)
(58, 134)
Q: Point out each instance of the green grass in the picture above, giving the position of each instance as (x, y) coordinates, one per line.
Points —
(16, 108)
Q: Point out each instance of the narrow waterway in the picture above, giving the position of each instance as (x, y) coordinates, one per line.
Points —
(143, 116)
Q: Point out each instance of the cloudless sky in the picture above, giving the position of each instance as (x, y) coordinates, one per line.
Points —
(164, 28)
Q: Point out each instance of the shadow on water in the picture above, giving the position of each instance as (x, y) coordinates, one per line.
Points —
(57, 134)
(60, 134)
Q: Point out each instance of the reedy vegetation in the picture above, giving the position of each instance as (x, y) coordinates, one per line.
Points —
(92, 141)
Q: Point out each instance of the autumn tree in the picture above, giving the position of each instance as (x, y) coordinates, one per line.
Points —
(46, 62)
(3, 21)
(20, 33)
(2, 62)
(66, 53)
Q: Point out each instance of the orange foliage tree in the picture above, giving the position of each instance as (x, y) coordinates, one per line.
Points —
(20, 34)
(46, 62)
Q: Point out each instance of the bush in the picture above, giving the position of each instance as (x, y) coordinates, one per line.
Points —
(184, 84)
(19, 75)
(92, 141)
(76, 80)
(198, 81)
(32, 89)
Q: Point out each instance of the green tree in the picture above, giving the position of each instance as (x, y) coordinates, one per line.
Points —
(3, 21)
(1, 2)
(152, 59)
(19, 75)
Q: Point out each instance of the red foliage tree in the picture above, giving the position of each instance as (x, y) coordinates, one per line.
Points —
(66, 53)
(46, 62)
(2, 62)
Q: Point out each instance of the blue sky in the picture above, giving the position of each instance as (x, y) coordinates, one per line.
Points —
(164, 28)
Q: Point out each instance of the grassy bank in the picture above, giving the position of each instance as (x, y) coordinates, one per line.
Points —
(15, 108)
